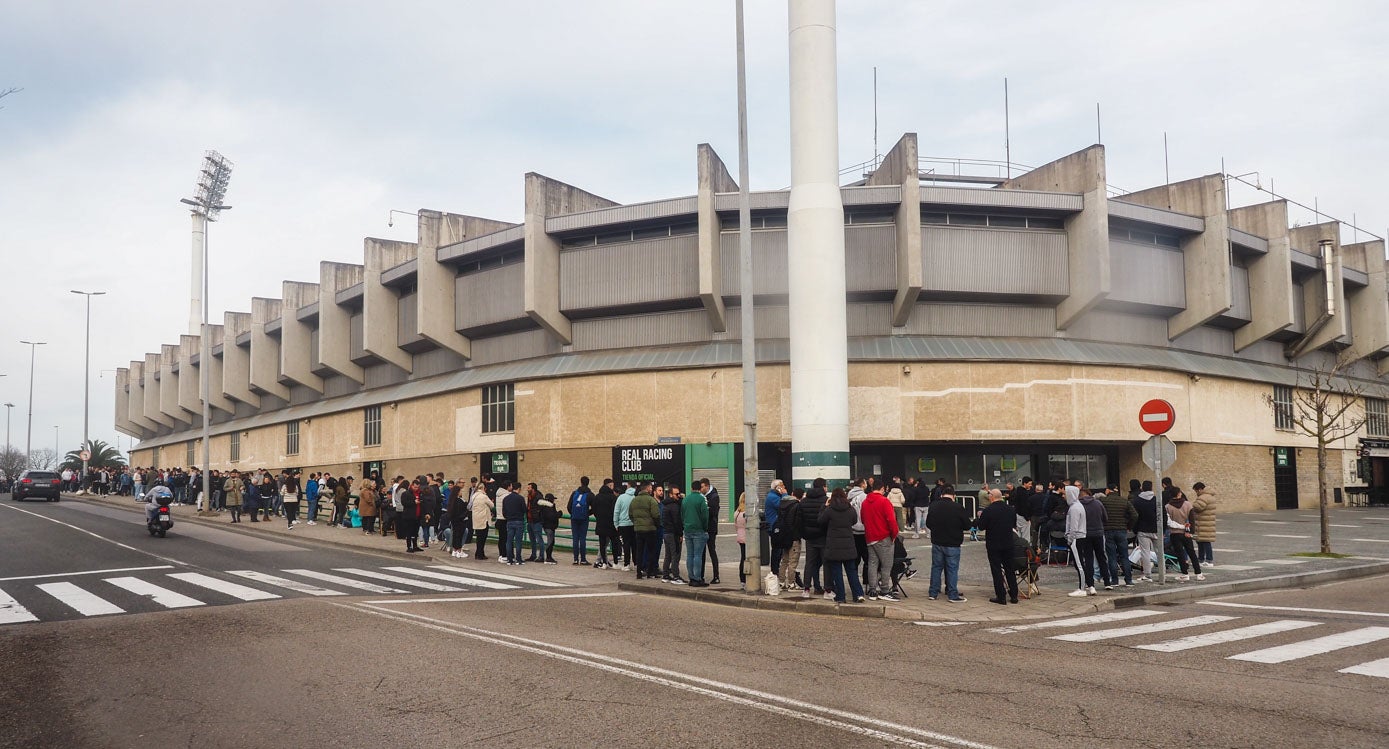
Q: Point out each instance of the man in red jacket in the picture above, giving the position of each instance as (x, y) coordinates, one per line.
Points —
(880, 531)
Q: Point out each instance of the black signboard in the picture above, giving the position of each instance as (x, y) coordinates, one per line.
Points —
(660, 464)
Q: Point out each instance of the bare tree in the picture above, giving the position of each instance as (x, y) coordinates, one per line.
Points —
(43, 459)
(8, 91)
(11, 463)
(1327, 406)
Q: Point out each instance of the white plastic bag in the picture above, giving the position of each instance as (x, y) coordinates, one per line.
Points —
(772, 584)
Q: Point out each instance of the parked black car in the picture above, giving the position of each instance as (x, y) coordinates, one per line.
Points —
(44, 484)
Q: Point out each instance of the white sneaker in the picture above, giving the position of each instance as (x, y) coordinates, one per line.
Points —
(1078, 593)
(887, 597)
(626, 568)
(1143, 579)
(462, 555)
(1183, 578)
(829, 596)
(1128, 584)
(504, 560)
(1090, 591)
(1200, 576)
(805, 594)
(916, 535)
(312, 523)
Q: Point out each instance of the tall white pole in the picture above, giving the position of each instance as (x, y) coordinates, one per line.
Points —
(815, 237)
(204, 359)
(752, 497)
(197, 286)
(86, 383)
(29, 430)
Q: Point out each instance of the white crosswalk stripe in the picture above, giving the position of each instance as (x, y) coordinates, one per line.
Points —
(284, 582)
(1143, 629)
(240, 592)
(1079, 621)
(13, 613)
(503, 576)
(162, 596)
(346, 582)
(79, 600)
(1318, 646)
(1378, 668)
(1228, 635)
(397, 579)
(474, 581)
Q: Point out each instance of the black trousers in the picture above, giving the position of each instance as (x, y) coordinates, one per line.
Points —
(1001, 568)
(628, 535)
(481, 536)
(607, 537)
(711, 554)
(501, 539)
(369, 524)
(647, 549)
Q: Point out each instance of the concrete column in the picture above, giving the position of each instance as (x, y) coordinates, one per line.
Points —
(122, 420)
(153, 396)
(169, 385)
(188, 375)
(1270, 275)
(136, 412)
(815, 247)
(546, 197)
(334, 322)
(214, 372)
(265, 349)
(294, 335)
(713, 179)
(1308, 239)
(236, 361)
(380, 304)
(1205, 256)
(437, 303)
(1087, 232)
(901, 167)
(195, 286)
(1369, 306)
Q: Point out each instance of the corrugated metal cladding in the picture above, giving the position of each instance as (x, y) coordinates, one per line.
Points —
(1267, 351)
(868, 318)
(771, 322)
(478, 244)
(629, 272)
(299, 395)
(992, 320)
(380, 375)
(970, 196)
(1239, 286)
(990, 261)
(875, 195)
(313, 347)
(623, 214)
(513, 347)
(1158, 216)
(336, 385)
(1300, 308)
(490, 296)
(870, 258)
(1119, 327)
(436, 362)
(1147, 274)
(728, 201)
(405, 325)
(358, 342)
(1207, 340)
(634, 331)
(768, 262)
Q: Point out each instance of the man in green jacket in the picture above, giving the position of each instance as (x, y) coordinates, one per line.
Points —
(1121, 517)
(645, 512)
(694, 511)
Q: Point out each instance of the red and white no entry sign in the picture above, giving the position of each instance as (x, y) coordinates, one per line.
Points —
(1157, 416)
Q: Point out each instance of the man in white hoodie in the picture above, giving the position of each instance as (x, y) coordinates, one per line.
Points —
(1075, 534)
(626, 533)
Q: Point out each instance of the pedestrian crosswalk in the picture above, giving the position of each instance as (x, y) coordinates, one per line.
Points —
(161, 588)
(1146, 629)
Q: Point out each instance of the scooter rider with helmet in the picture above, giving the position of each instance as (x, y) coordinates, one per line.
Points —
(152, 498)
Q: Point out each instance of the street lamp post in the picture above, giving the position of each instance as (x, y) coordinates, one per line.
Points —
(207, 203)
(9, 409)
(86, 385)
(29, 430)
(56, 442)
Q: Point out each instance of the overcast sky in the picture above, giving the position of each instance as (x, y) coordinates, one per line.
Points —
(336, 112)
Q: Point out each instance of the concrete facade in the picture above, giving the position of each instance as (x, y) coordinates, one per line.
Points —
(214, 372)
(1270, 274)
(335, 321)
(236, 361)
(713, 178)
(381, 304)
(189, 399)
(900, 167)
(435, 281)
(170, 385)
(265, 349)
(546, 197)
(296, 336)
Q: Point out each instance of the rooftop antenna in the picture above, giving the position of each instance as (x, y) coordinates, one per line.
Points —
(875, 118)
(1007, 146)
(1166, 171)
(1099, 134)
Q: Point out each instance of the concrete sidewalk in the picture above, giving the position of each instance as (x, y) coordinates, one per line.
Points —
(1254, 553)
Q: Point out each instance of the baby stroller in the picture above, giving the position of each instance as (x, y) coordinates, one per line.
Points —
(901, 567)
(1026, 561)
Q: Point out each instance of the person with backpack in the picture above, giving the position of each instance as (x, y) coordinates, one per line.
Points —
(813, 538)
(578, 508)
(789, 537)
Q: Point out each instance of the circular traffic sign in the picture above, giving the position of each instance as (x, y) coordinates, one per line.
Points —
(85, 454)
(1157, 416)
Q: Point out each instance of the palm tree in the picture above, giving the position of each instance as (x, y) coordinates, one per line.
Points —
(103, 456)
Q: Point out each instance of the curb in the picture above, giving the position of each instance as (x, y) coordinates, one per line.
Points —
(1275, 582)
(765, 603)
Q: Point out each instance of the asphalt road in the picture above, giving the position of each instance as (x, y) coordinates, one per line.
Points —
(545, 666)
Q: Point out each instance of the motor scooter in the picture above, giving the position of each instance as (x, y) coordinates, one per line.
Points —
(160, 523)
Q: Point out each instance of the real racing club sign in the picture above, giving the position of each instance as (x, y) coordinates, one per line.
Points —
(661, 464)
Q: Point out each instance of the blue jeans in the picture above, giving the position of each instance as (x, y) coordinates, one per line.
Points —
(515, 537)
(579, 535)
(313, 508)
(837, 570)
(537, 541)
(947, 559)
(1116, 545)
(694, 555)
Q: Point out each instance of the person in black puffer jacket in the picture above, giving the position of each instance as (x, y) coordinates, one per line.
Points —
(841, 553)
(813, 538)
(673, 525)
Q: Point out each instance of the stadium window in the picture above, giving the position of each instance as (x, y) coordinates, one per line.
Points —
(1283, 408)
(499, 408)
(292, 438)
(371, 426)
(235, 446)
(192, 454)
(1376, 417)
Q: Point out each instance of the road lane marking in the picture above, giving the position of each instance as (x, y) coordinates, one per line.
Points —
(1283, 535)
(1333, 525)
(1293, 609)
(473, 581)
(284, 582)
(399, 580)
(1378, 668)
(346, 582)
(1079, 621)
(539, 597)
(223, 586)
(13, 613)
(938, 624)
(162, 596)
(1270, 522)
(1372, 540)
(1231, 567)
(97, 536)
(772, 703)
(1229, 635)
(1297, 650)
(1143, 629)
(1279, 561)
(79, 600)
(501, 576)
(89, 572)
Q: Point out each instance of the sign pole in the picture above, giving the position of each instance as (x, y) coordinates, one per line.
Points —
(1161, 518)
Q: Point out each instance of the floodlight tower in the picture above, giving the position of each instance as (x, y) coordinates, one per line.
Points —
(206, 203)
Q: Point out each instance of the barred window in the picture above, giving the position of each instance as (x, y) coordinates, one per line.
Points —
(235, 446)
(192, 454)
(1377, 417)
(292, 438)
(371, 426)
(499, 408)
(1283, 407)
